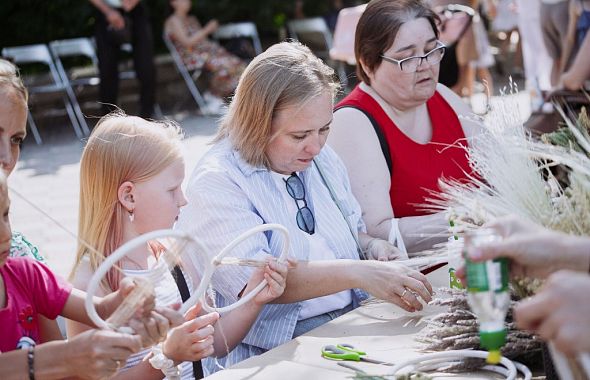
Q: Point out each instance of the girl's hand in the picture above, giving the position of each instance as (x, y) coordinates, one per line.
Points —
(275, 274)
(154, 327)
(382, 250)
(193, 339)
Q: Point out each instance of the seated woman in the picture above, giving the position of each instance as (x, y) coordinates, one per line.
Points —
(269, 164)
(398, 132)
(197, 51)
(577, 47)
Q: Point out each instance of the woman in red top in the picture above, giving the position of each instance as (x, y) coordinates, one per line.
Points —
(393, 131)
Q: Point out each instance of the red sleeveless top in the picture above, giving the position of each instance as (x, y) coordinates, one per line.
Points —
(415, 168)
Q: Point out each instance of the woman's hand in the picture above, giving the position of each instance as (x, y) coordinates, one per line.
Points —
(559, 312)
(211, 26)
(395, 283)
(534, 251)
(275, 274)
(192, 340)
(382, 250)
(99, 354)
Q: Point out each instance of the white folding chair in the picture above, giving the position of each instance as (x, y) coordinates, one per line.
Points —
(344, 34)
(85, 47)
(189, 78)
(40, 54)
(237, 30)
(315, 33)
(72, 48)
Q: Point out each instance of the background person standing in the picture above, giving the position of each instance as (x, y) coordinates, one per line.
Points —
(119, 22)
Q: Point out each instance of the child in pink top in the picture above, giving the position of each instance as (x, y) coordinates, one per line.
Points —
(30, 289)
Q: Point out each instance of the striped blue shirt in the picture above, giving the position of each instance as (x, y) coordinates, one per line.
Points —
(227, 196)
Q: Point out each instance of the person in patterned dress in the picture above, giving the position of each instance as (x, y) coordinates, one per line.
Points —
(197, 51)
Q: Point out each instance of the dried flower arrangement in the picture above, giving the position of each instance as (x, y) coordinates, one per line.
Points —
(516, 174)
(515, 177)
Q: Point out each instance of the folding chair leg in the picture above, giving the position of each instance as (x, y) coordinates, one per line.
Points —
(73, 119)
(196, 94)
(192, 87)
(34, 129)
(77, 110)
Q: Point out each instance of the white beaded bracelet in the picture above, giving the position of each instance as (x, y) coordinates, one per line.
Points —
(164, 364)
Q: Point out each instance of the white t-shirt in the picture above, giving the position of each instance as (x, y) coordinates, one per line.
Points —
(318, 250)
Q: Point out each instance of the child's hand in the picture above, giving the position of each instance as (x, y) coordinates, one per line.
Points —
(153, 328)
(275, 274)
(129, 285)
(193, 339)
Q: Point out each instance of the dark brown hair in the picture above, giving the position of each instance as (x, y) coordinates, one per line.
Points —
(378, 27)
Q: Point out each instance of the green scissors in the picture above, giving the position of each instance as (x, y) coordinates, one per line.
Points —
(344, 351)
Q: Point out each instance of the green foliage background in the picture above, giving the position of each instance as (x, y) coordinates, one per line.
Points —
(40, 21)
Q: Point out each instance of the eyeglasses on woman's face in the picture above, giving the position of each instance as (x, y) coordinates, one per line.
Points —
(304, 217)
(411, 64)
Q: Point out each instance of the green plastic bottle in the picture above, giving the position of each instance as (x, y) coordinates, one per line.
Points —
(487, 293)
(455, 260)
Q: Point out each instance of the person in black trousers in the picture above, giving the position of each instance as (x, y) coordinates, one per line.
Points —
(118, 22)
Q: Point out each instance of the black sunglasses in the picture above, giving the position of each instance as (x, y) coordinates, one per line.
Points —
(305, 219)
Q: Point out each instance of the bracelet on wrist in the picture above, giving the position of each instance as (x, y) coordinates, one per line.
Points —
(31, 362)
(164, 364)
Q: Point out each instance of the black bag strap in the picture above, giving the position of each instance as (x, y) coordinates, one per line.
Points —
(185, 295)
(380, 135)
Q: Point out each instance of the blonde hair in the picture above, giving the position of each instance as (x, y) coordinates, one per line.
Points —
(285, 75)
(11, 81)
(121, 148)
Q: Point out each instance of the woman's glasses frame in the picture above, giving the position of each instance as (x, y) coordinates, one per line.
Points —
(296, 189)
(411, 64)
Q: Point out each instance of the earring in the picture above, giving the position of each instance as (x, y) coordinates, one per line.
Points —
(131, 216)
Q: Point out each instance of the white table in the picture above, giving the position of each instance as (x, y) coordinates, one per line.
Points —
(383, 330)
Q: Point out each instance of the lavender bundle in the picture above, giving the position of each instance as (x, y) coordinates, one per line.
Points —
(457, 329)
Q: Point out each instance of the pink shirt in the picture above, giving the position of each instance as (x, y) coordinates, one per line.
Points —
(31, 289)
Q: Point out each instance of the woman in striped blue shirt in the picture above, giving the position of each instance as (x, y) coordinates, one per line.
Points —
(269, 164)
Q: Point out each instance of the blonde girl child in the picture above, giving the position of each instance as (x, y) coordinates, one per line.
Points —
(28, 289)
(130, 184)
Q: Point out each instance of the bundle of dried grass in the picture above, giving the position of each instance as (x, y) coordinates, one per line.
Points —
(515, 175)
(457, 329)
